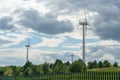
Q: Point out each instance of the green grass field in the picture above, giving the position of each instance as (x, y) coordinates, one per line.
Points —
(105, 69)
(91, 74)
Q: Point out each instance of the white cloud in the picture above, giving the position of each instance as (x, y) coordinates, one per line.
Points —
(72, 10)
(108, 57)
(4, 37)
(12, 56)
(103, 50)
(17, 56)
(107, 43)
(72, 46)
(49, 42)
(13, 39)
(75, 18)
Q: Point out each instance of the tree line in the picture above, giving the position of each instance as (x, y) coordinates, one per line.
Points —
(58, 67)
(101, 64)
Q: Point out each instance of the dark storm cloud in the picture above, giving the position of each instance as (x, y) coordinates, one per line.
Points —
(108, 30)
(5, 23)
(44, 24)
(106, 24)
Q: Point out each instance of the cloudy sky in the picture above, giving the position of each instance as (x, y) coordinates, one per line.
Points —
(53, 29)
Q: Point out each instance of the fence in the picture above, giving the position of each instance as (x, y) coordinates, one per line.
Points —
(68, 76)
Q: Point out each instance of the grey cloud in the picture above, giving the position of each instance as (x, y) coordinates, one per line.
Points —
(11, 61)
(5, 23)
(106, 25)
(72, 6)
(58, 5)
(4, 42)
(44, 24)
(98, 51)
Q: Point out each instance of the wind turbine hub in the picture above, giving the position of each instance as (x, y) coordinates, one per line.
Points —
(27, 45)
(83, 23)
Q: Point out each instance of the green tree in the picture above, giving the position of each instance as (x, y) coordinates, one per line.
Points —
(8, 71)
(59, 67)
(90, 65)
(28, 71)
(106, 63)
(115, 64)
(28, 68)
(67, 63)
(28, 64)
(1, 71)
(57, 62)
(77, 66)
(95, 64)
(100, 64)
(45, 68)
(38, 69)
(16, 70)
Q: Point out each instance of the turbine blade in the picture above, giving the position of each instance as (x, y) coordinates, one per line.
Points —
(85, 21)
(28, 42)
(85, 16)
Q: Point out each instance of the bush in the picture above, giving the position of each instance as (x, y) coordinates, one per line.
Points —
(77, 66)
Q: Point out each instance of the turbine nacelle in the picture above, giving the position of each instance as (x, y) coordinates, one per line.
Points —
(27, 45)
(83, 23)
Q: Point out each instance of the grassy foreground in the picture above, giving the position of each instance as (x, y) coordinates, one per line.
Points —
(105, 69)
(90, 74)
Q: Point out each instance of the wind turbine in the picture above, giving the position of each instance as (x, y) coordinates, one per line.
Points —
(27, 46)
(84, 25)
(72, 55)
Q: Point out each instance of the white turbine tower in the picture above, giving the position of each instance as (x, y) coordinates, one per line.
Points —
(72, 55)
(27, 46)
(84, 25)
